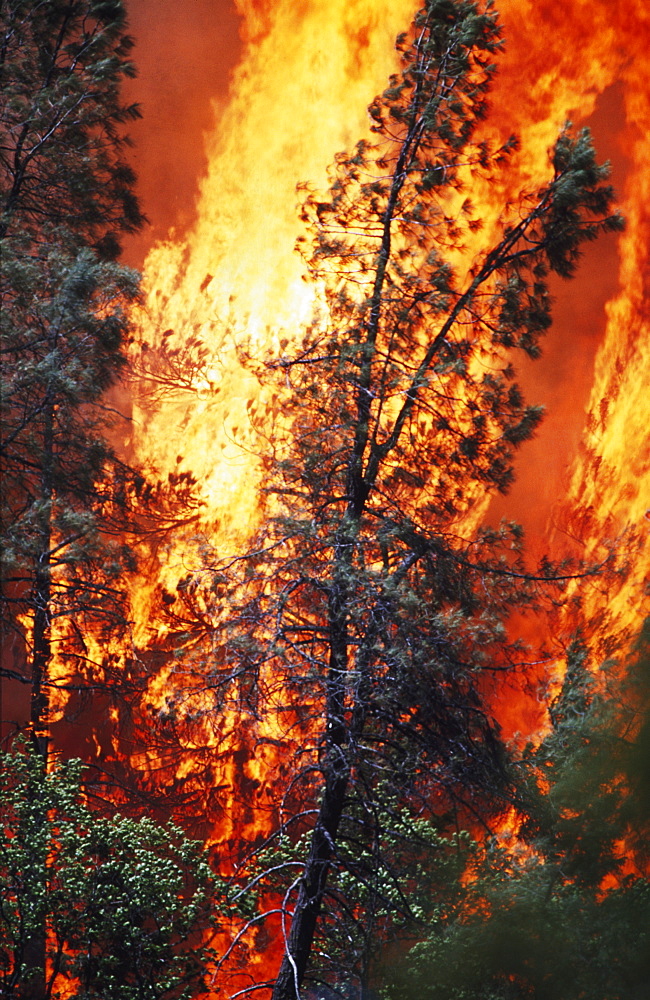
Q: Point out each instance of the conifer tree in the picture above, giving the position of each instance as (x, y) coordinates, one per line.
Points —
(370, 614)
(64, 496)
(62, 138)
(66, 197)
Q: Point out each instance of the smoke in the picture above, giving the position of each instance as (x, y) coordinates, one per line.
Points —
(185, 54)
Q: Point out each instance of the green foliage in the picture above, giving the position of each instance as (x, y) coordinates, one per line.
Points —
(395, 875)
(568, 917)
(62, 332)
(62, 142)
(127, 904)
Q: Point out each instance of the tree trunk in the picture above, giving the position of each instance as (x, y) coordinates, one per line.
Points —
(33, 986)
(336, 774)
(312, 887)
(42, 636)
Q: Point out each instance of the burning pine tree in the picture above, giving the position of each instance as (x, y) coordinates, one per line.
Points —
(355, 640)
(359, 632)
(70, 506)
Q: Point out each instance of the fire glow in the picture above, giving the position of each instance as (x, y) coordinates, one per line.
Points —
(233, 281)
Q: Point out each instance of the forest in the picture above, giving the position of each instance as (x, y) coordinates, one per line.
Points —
(291, 705)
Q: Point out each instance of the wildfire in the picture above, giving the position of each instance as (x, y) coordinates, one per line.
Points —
(298, 97)
(233, 283)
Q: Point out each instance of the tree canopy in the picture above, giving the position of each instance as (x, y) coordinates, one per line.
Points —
(62, 138)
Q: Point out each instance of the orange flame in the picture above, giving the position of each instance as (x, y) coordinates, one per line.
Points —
(299, 96)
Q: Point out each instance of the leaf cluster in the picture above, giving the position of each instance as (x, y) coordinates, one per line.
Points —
(62, 138)
(128, 905)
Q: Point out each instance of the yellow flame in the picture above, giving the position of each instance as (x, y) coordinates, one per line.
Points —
(299, 96)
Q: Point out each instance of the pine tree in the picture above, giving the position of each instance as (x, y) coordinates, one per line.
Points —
(66, 196)
(62, 141)
(62, 499)
(377, 609)
(359, 633)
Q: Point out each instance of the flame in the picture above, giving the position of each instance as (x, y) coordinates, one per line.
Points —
(611, 477)
(233, 283)
(591, 53)
(298, 97)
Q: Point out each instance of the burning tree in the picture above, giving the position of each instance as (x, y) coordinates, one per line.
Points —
(361, 631)
(69, 505)
(65, 196)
